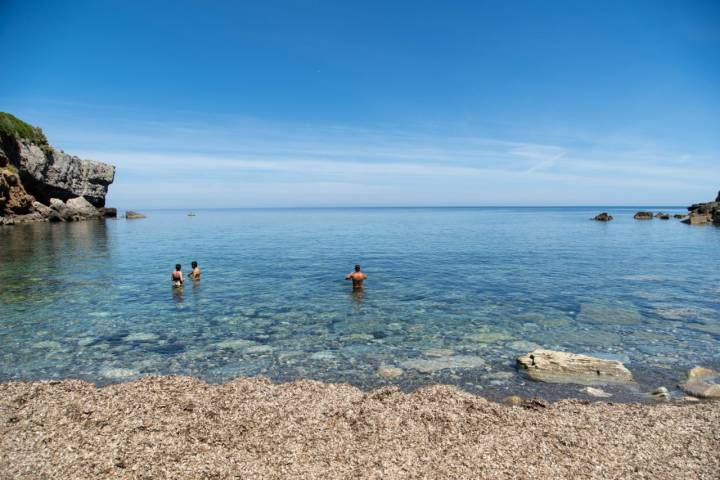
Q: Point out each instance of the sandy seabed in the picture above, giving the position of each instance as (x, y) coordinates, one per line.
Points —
(180, 427)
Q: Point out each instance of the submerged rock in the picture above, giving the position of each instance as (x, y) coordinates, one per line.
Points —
(561, 367)
(141, 337)
(390, 372)
(237, 344)
(442, 363)
(617, 314)
(438, 352)
(603, 217)
(643, 216)
(118, 373)
(489, 336)
(259, 350)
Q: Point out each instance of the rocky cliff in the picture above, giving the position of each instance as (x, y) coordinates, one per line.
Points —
(41, 183)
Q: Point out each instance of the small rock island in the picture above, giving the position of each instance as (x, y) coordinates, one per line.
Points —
(39, 183)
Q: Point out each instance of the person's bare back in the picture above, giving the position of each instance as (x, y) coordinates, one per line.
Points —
(176, 276)
(357, 277)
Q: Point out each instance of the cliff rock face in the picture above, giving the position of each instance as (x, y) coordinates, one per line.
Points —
(48, 173)
(40, 183)
(13, 197)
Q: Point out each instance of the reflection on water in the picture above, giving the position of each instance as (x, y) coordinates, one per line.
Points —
(90, 300)
(357, 295)
(178, 293)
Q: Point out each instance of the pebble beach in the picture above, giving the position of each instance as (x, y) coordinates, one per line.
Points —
(182, 427)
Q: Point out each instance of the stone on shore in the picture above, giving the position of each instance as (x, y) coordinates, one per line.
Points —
(643, 216)
(597, 392)
(513, 400)
(74, 209)
(603, 217)
(660, 393)
(551, 366)
(702, 383)
(81, 208)
(133, 215)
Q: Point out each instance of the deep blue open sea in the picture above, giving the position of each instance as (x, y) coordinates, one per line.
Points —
(453, 296)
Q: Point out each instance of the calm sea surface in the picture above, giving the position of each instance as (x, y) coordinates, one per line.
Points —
(453, 295)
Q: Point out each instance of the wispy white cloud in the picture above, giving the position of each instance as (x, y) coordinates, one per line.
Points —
(246, 162)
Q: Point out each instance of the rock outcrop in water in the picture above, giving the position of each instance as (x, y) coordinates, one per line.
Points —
(603, 217)
(643, 216)
(703, 213)
(40, 183)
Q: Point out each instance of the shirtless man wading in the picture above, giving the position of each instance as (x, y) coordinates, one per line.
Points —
(195, 273)
(177, 276)
(357, 278)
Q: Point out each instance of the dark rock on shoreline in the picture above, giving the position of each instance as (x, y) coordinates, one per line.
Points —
(643, 216)
(40, 183)
(109, 212)
(603, 217)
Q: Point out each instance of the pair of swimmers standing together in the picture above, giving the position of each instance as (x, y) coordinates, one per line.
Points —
(357, 276)
(177, 276)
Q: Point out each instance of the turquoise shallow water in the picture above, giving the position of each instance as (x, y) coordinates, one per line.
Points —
(465, 288)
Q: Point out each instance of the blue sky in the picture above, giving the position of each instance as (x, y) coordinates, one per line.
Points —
(321, 103)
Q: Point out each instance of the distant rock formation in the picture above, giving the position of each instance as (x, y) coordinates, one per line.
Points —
(643, 216)
(603, 217)
(40, 183)
(704, 213)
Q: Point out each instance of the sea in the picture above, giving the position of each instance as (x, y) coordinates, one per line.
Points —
(453, 296)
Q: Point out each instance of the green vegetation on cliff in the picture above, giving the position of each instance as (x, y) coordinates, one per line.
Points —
(11, 125)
